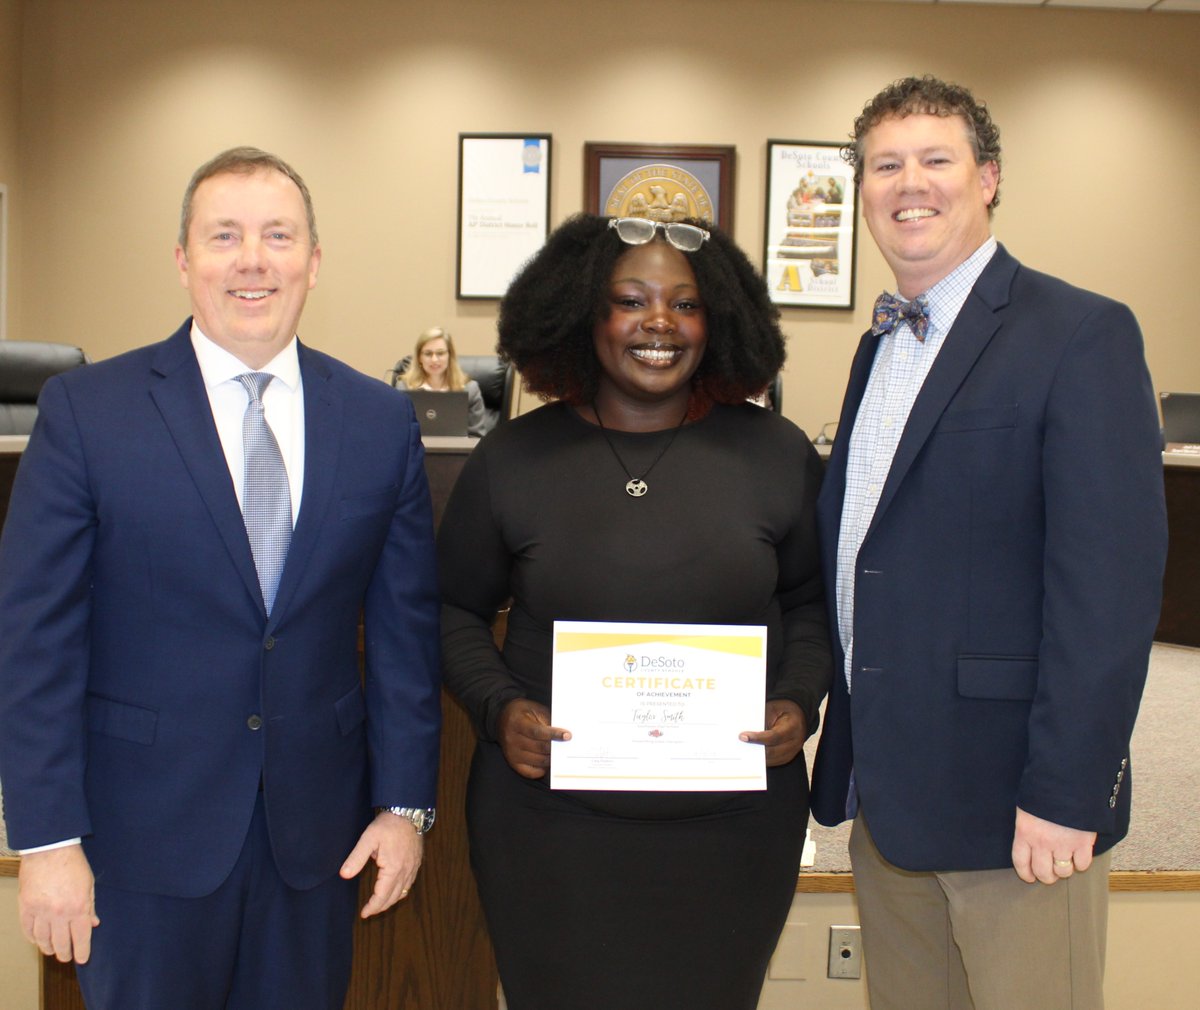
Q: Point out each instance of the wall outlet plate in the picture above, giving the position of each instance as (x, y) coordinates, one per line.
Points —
(845, 952)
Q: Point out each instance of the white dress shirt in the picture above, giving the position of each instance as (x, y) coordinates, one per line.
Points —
(901, 364)
(283, 406)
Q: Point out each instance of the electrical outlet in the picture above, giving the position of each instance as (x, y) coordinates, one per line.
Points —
(845, 952)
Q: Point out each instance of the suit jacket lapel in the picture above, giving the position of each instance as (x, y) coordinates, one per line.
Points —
(322, 444)
(974, 328)
(178, 391)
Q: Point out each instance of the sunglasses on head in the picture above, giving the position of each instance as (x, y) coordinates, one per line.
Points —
(640, 230)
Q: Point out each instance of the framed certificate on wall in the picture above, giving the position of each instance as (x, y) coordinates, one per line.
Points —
(503, 208)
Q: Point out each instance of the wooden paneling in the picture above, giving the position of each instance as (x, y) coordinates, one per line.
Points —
(432, 952)
(1179, 621)
(1120, 880)
(8, 470)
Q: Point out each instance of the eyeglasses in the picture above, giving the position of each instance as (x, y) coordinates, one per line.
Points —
(640, 230)
(434, 354)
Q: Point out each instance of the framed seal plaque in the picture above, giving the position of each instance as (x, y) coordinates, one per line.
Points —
(663, 182)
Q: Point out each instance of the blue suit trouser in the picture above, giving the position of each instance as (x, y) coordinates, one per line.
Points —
(253, 944)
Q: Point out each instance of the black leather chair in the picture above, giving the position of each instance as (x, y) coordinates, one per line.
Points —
(25, 365)
(775, 394)
(496, 382)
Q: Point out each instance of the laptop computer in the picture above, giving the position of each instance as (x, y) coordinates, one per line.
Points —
(440, 413)
(1181, 417)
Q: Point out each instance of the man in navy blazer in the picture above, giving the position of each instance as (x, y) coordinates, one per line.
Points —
(993, 514)
(206, 736)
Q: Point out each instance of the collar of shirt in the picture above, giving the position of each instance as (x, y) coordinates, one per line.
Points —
(947, 297)
(217, 365)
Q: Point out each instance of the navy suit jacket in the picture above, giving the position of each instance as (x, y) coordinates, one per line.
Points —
(144, 692)
(1009, 584)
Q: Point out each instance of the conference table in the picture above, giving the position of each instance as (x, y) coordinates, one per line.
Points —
(432, 951)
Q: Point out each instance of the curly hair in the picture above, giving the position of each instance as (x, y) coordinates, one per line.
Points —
(548, 316)
(932, 97)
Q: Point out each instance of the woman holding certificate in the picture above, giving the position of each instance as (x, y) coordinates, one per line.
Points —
(651, 492)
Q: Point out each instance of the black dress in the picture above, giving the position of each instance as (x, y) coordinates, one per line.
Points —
(616, 900)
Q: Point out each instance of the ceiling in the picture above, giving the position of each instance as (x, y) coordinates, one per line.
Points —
(1137, 5)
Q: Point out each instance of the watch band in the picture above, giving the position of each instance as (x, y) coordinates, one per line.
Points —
(421, 818)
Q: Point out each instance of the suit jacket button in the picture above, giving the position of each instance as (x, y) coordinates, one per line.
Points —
(1112, 803)
(254, 722)
(269, 644)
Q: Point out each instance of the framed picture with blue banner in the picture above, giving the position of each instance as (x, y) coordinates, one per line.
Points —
(503, 208)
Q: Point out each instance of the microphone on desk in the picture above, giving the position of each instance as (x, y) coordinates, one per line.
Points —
(822, 438)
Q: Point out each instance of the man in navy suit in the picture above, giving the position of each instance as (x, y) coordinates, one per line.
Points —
(193, 768)
(993, 515)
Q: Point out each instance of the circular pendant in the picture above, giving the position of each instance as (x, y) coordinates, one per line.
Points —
(636, 487)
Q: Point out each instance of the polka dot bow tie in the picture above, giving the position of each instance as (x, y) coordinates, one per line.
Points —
(889, 310)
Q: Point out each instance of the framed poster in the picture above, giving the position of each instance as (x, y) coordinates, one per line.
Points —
(809, 242)
(664, 182)
(503, 208)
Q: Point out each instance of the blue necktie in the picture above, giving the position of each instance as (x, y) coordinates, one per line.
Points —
(889, 310)
(266, 496)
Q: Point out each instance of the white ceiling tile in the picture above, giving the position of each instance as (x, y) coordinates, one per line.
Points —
(1180, 6)
(1140, 5)
(998, 3)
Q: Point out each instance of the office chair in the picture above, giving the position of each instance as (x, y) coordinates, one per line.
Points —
(25, 365)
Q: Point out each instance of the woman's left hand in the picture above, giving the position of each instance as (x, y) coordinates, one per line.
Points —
(785, 733)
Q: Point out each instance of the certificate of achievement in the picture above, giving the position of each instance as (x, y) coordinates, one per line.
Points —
(658, 706)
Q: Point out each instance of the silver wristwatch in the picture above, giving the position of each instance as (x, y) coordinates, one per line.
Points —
(420, 818)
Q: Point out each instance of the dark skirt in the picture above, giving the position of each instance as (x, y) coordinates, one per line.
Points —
(591, 910)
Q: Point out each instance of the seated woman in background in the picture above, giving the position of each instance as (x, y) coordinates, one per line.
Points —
(650, 492)
(435, 366)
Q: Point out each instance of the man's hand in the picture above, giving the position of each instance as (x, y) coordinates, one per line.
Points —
(785, 733)
(57, 902)
(525, 734)
(1045, 851)
(394, 844)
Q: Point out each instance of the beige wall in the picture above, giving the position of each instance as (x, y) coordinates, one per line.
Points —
(1150, 965)
(123, 98)
(19, 974)
(10, 109)
(114, 102)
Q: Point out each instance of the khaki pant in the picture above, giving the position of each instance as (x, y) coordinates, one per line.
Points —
(979, 939)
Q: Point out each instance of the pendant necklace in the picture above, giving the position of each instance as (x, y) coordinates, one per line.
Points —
(635, 487)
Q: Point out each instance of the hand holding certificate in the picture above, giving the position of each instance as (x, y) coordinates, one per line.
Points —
(525, 733)
(658, 706)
